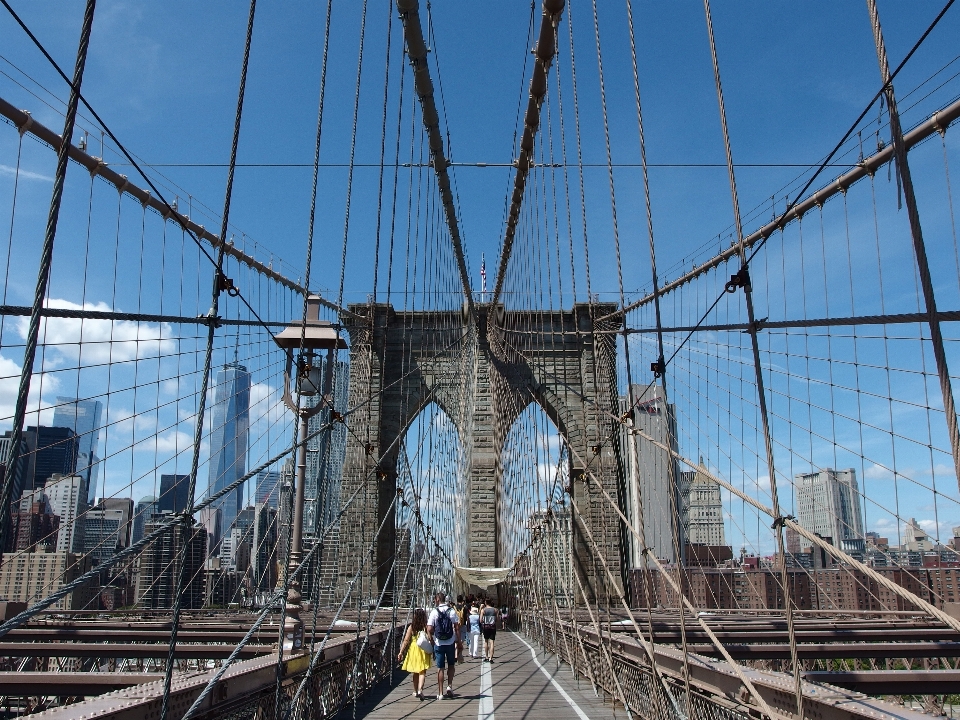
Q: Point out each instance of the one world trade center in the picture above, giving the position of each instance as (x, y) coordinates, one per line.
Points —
(229, 431)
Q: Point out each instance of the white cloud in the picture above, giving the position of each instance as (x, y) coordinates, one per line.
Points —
(24, 174)
(173, 442)
(103, 340)
(877, 472)
(38, 409)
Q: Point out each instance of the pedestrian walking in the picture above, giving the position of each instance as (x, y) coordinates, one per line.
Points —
(463, 612)
(488, 626)
(474, 625)
(443, 629)
(416, 660)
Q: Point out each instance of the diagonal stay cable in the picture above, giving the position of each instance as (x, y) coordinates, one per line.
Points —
(274, 598)
(12, 461)
(219, 286)
(135, 548)
(826, 162)
(168, 209)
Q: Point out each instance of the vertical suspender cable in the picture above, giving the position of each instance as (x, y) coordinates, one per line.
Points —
(187, 522)
(916, 232)
(43, 276)
(742, 279)
(294, 547)
(625, 543)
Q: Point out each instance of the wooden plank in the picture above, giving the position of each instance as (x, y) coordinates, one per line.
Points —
(519, 689)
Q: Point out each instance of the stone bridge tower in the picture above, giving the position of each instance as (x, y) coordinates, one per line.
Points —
(483, 377)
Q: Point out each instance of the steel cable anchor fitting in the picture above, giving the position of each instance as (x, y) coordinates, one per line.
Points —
(658, 368)
(226, 284)
(781, 521)
(740, 280)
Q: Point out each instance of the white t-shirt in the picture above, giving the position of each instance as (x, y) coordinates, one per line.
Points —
(454, 621)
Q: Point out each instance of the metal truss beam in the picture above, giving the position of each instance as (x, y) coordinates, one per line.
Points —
(69, 684)
(24, 310)
(129, 650)
(892, 682)
(243, 681)
(825, 635)
(832, 651)
(267, 633)
(719, 679)
(417, 52)
(938, 122)
(897, 319)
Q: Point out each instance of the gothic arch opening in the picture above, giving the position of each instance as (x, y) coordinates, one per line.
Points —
(432, 465)
(535, 469)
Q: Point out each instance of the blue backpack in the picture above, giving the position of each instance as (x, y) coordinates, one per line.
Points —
(444, 627)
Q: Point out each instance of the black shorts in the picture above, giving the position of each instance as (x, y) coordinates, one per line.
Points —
(490, 634)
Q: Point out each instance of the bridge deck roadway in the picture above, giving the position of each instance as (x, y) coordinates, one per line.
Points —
(513, 687)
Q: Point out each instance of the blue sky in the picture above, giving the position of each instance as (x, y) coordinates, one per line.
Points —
(164, 76)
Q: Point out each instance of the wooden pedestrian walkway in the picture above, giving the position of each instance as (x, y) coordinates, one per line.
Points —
(518, 685)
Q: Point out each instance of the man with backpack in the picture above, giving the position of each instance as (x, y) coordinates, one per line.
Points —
(443, 629)
(488, 626)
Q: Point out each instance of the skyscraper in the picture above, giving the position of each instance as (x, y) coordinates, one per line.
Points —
(58, 449)
(234, 537)
(83, 417)
(65, 495)
(173, 493)
(828, 503)
(230, 426)
(104, 532)
(26, 466)
(325, 454)
(701, 509)
(263, 551)
(648, 471)
(157, 581)
(268, 488)
(33, 528)
(106, 528)
(146, 508)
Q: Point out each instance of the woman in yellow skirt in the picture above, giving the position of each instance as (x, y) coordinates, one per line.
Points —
(415, 661)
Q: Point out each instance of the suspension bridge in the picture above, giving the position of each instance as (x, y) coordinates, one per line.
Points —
(727, 489)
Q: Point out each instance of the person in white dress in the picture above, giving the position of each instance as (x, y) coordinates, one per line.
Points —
(474, 631)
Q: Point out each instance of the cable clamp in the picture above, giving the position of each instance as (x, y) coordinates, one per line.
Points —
(755, 327)
(336, 416)
(225, 283)
(781, 521)
(740, 280)
(596, 450)
(211, 319)
(658, 368)
(27, 124)
(369, 448)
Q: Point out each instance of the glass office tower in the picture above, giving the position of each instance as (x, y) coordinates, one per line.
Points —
(229, 431)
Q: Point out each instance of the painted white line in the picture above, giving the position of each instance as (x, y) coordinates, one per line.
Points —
(563, 693)
(485, 711)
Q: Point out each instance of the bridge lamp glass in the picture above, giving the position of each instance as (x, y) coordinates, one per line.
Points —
(313, 334)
